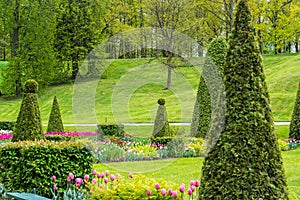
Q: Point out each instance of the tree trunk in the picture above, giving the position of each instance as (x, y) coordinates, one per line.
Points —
(75, 69)
(296, 47)
(169, 78)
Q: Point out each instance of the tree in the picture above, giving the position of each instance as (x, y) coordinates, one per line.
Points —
(31, 25)
(29, 123)
(55, 123)
(161, 124)
(75, 36)
(202, 109)
(245, 162)
(295, 122)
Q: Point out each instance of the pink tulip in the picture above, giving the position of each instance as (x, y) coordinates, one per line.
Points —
(71, 176)
(68, 179)
(130, 175)
(105, 180)
(54, 187)
(181, 188)
(170, 192)
(94, 172)
(106, 173)
(157, 186)
(86, 178)
(196, 183)
(117, 176)
(148, 192)
(163, 192)
(192, 183)
(78, 180)
(53, 178)
(174, 194)
(260, 199)
(190, 192)
(192, 188)
(94, 181)
(101, 186)
(112, 178)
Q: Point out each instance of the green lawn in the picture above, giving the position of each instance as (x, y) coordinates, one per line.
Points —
(185, 169)
(133, 87)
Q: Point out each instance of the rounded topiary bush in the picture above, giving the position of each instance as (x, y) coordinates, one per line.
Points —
(31, 86)
(161, 101)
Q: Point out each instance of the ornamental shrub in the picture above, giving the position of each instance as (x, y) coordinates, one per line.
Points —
(31, 164)
(295, 122)
(29, 123)
(245, 162)
(9, 126)
(161, 124)
(55, 123)
(205, 96)
(110, 129)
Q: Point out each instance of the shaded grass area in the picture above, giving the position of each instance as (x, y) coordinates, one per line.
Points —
(183, 170)
(133, 86)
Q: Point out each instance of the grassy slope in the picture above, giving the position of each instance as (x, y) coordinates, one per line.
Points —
(148, 80)
(185, 169)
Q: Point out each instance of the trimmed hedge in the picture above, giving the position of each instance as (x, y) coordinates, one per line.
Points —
(55, 123)
(110, 129)
(7, 126)
(245, 163)
(29, 122)
(295, 122)
(31, 164)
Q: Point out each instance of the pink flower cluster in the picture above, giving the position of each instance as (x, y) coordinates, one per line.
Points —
(193, 186)
(72, 134)
(6, 136)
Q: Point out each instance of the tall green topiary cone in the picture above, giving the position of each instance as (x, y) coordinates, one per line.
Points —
(202, 109)
(295, 122)
(245, 163)
(29, 123)
(161, 124)
(55, 123)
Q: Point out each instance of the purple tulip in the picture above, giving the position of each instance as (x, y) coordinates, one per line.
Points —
(94, 172)
(130, 175)
(190, 192)
(106, 173)
(181, 188)
(105, 180)
(192, 183)
(53, 178)
(117, 176)
(174, 194)
(170, 192)
(86, 178)
(71, 176)
(54, 187)
(112, 177)
(157, 186)
(196, 183)
(148, 192)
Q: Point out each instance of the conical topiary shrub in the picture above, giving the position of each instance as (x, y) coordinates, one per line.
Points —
(202, 109)
(55, 123)
(29, 123)
(245, 162)
(295, 122)
(161, 124)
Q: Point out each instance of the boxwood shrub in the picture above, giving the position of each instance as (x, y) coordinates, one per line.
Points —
(5, 125)
(26, 164)
(110, 129)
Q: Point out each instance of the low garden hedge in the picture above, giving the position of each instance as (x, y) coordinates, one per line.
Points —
(26, 165)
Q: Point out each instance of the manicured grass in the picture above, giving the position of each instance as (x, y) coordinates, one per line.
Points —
(185, 169)
(131, 91)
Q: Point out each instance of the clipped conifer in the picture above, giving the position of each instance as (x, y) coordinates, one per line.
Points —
(161, 124)
(245, 162)
(295, 121)
(203, 105)
(29, 124)
(55, 123)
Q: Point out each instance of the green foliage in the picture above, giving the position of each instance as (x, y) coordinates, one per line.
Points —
(295, 122)
(161, 124)
(31, 86)
(176, 147)
(161, 101)
(161, 140)
(283, 145)
(7, 126)
(109, 152)
(31, 164)
(110, 129)
(207, 94)
(55, 123)
(245, 162)
(134, 188)
(29, 123)
(197, 145)
(59, 138)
